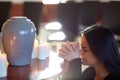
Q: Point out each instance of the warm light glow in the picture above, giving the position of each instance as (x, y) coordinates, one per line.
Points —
(53, 26)
(50, 1)
(57, 36)
(63, 1)
(54, 66)
(11, 42)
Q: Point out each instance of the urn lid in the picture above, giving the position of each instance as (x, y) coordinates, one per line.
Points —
(19, 19)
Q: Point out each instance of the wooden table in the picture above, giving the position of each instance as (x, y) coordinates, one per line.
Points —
(37, 70)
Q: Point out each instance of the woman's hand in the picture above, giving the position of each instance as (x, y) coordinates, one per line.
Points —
(69, 51)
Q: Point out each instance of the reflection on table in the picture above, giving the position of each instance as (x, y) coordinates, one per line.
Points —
(37, 70)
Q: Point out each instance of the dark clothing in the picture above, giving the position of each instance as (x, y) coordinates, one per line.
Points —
(74, 72)
(88, 74)
(113, 77)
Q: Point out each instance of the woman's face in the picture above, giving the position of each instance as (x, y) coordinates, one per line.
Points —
(86, 55)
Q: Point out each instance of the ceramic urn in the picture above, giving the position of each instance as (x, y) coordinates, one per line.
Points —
(18, 34)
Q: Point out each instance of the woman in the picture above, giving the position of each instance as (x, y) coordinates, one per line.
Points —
(98, 49)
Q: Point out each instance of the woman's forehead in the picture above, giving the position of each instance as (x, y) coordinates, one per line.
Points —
(83, 40)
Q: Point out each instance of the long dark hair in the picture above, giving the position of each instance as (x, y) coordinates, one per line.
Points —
(104, 46)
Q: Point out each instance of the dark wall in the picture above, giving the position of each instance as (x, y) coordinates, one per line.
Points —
(111, 16)
(68, 16)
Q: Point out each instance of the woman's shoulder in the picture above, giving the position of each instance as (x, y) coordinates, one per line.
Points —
(113, 77)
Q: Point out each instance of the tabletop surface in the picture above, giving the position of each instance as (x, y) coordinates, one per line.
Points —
(36, 70)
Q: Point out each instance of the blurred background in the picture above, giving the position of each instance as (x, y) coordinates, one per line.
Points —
(57, 21)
